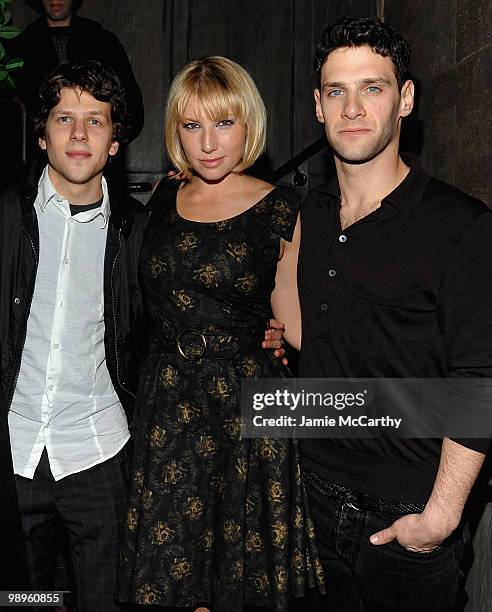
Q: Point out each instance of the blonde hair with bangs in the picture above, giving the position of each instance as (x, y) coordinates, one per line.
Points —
(221, 87)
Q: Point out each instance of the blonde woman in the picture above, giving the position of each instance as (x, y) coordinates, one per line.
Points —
(215, 522)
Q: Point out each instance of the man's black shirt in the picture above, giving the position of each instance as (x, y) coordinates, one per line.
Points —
(406, 292)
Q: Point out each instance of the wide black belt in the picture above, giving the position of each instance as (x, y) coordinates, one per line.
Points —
(194, 344)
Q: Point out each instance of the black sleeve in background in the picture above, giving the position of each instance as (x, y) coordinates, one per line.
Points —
(466, 309)
(118, 59)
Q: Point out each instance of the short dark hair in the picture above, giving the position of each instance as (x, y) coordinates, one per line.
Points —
(37, 6)
(90, 76)
(360, 31)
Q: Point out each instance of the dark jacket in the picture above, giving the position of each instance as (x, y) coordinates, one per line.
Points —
(86, 39)
(19, 249)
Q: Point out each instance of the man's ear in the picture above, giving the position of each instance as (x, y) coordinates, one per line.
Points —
(113, 149)
(317, 101)
(407, 98)
(42, 143)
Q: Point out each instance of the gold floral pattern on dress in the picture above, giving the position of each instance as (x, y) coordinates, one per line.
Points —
(279, 530)
(161, 532)
(207, 539)
(280, 578)
(254, 543)
(260, 581)
(174, 472)
(275, 491)
(208, 275)
(247, 283)
(237, 250)
(298, 518)
(238, 569)
(157, 265)
(248, 368)
(193, 508)
(219, 388)
(187, 412)
(146, 595)
(266, 449)
(138, 479)
(233, 426)
(182, 300)
(169, 376)
(146, 499)
(242, 468)
(231, 531)
(219, 484)
(206, 446)
(180, 568)
(131, 519)
(188, 240)
(157, 436)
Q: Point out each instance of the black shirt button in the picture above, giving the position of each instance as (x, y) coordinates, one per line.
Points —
(332, 273)
(17, 301)
(342, 238)
(324, 307)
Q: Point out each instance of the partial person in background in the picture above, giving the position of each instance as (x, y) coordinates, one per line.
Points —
(59, 34)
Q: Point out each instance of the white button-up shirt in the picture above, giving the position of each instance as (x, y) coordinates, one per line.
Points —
(64, 399)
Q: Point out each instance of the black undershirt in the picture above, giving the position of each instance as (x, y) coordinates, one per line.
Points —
(75, 209)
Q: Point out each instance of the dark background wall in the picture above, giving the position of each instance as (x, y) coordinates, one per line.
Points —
(274, 40)
(451, 61)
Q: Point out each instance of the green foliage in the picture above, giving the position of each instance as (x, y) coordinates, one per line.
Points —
(7, 64)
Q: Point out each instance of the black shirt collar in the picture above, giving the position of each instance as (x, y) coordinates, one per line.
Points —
(407, 195)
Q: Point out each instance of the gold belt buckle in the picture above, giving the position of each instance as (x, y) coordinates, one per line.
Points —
(194, 356)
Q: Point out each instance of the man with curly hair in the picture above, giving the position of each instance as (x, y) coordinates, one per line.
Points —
(70, 307)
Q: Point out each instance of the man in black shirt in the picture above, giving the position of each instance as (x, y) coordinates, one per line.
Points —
(394, 281)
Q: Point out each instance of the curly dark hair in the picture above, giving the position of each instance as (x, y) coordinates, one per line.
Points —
(360, 31)
(91, 76)
(37, 6)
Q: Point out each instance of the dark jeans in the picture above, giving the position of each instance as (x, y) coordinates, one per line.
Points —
(361, 577)
(91, 505)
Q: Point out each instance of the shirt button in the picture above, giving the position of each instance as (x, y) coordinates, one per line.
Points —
(17, 301)
(324, 307)
(65, 261)
(332, 273)
(60, 303)
(342, 238)
(56, 345)
(50, 387)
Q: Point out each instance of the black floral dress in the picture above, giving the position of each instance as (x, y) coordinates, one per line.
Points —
(213, 519)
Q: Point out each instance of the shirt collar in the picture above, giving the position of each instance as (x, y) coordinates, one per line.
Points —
(47, 193)
(405, 197)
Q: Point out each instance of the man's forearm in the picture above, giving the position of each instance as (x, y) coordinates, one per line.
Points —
(458, 470)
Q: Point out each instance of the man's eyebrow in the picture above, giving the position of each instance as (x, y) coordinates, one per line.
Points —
(332, 84)
(367, 81)
(66, 111)
(380, 79)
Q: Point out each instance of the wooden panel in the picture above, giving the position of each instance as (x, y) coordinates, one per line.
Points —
(258, 35)
(144, 31)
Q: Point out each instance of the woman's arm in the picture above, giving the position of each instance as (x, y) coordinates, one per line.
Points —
(285, 298)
